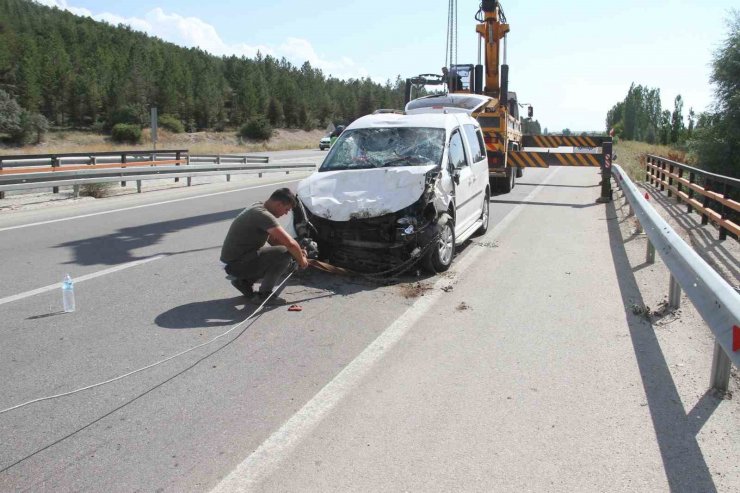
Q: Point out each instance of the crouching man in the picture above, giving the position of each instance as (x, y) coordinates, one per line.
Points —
(258, 248)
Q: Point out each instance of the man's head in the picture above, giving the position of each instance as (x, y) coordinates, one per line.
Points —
(281, 202)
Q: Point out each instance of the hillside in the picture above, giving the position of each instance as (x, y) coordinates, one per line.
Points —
(81, 73)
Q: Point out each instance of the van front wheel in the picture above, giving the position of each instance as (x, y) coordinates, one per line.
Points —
(440, 254)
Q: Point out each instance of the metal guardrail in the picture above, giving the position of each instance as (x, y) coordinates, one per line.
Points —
(717, 204)
(715, 300)
(20, 176)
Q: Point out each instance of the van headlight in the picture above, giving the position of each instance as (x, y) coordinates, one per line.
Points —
(406, 220)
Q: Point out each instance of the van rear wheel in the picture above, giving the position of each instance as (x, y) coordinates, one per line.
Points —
(440, 254)
(484, 215)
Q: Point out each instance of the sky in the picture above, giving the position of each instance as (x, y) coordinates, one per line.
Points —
(571, 60)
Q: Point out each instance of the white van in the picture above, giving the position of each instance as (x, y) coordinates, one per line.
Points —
(395, 187)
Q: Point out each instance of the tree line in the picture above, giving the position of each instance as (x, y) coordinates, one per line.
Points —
(712, 138)
(77, 72)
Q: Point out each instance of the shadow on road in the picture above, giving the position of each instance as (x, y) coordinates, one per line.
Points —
(685, 467)
(557, 186)
(575, 206)
(115, 248)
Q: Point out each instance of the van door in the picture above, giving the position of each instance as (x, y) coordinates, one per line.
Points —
(478, 160)
(459, 167)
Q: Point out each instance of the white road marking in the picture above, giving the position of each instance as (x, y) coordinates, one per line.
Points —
(41, 223)
(265, 460)
(86, 277)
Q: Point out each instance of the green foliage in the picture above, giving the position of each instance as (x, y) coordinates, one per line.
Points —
(76, 72)
(33, 127)
(18, 124)
(125, 133)
(530, 127)
(10, 114)
(256, 128)
(637, 116)
(716, 142)
(128, 114)
(677, 125)
(275, 112)
(171, 123)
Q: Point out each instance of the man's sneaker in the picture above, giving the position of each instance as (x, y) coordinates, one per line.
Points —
(273, 300)
(243, 287)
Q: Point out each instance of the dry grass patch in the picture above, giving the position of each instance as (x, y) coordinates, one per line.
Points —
(227, 142)
(631, 156)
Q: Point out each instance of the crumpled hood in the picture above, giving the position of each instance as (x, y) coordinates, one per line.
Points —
(362, 193)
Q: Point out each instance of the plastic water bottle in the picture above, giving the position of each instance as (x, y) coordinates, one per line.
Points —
(68, 294)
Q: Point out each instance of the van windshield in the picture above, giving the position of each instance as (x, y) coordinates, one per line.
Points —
(365, 148)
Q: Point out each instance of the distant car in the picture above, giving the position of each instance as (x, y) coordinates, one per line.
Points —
(325, 143)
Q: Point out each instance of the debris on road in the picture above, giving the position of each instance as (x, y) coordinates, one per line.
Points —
(462, 306)
(415, 289)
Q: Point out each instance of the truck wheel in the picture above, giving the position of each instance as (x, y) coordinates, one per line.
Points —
(519, 172)
(439, 257)
(506, 184)
(484, 215)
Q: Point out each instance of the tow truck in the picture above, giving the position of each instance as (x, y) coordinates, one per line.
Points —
(492, 104)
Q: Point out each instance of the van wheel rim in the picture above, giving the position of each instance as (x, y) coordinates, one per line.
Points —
(484, 215)
(446, 244)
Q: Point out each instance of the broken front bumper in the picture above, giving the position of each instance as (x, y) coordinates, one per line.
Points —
(369, 244)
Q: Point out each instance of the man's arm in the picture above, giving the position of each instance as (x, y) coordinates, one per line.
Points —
(278, 236)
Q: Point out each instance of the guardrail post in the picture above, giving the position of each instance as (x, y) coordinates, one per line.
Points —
(2, 194)
(138, 186)
(705, 202)
(650, 258)
(674, 293)
(662, 175)
(123, 161)
(723, 214)
(177, 157)
(720, 378)
(670, 179)
(606, 174)
(54, 164)
(692, 179)
(187, 163)
(678, 185)
(76, 191)
(648, 170)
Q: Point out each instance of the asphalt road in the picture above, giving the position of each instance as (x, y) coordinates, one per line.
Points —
(459, 382)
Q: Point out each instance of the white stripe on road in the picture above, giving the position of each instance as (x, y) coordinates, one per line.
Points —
(265, 460)
(143, 205)
(86, 277)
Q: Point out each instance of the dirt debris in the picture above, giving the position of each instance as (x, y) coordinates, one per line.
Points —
(415, 289)
(463, 306)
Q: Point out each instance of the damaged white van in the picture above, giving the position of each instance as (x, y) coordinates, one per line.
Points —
(395, 187)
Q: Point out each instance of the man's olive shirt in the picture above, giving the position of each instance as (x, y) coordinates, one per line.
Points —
(248, 233)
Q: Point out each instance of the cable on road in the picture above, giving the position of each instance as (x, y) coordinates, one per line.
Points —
(120, 377)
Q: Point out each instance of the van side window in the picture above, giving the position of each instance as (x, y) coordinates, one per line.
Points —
(457, 151)
(477, 146)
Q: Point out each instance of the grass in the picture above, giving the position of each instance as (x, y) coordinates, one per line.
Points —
(631, 156)
(226, 142)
